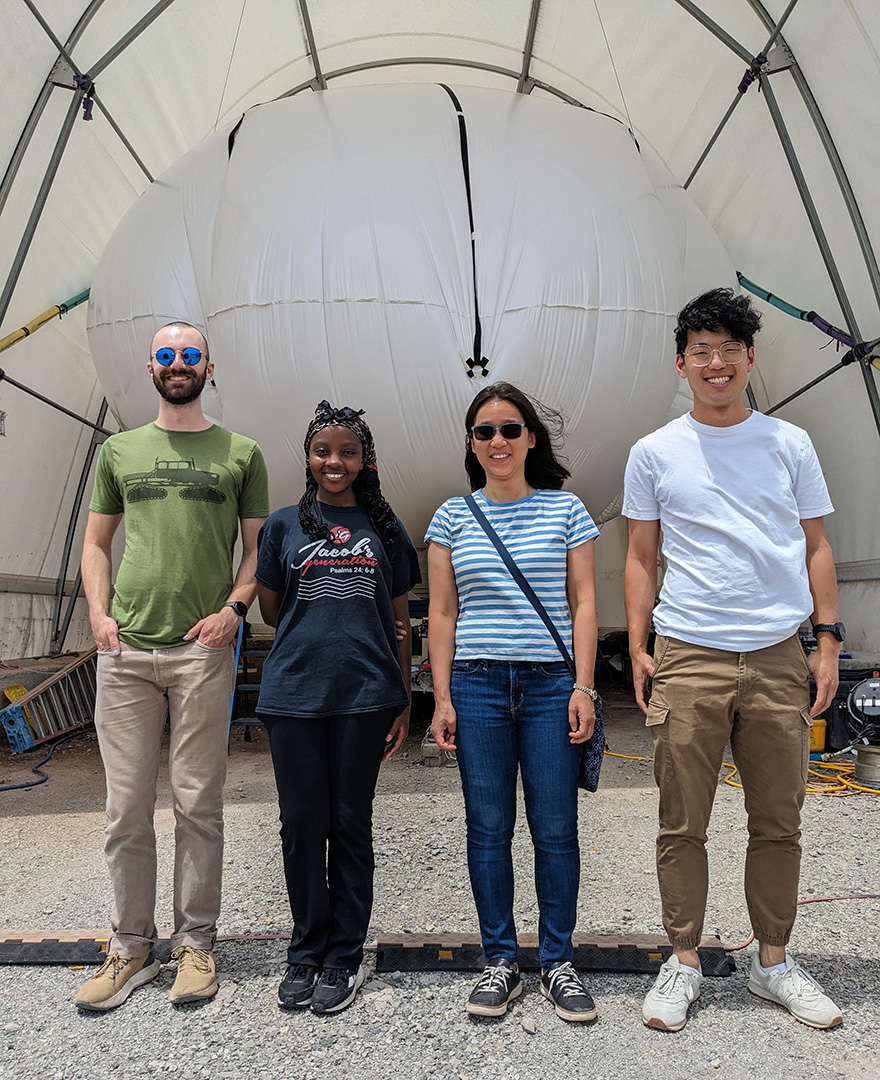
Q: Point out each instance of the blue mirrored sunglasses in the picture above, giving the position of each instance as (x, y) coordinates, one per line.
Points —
(188, 356)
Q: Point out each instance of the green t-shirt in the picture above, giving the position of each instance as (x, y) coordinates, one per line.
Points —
(182, 493)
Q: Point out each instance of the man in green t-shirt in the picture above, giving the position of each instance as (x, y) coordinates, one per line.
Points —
(165, 648)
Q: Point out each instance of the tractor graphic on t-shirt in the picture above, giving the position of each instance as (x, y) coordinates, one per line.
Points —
(193, 483)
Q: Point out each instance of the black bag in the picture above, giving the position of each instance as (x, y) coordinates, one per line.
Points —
(593, 749)
(593, 752)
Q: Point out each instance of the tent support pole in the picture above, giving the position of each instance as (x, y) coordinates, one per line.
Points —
(68, 614)
(39, 206)
(121, 136)
(743, 86)
(123, 43)
(821, 239)
(65, 54)
(741, 51)
(524, 83)
(320, 83)
(48, 401)
(440, 61)
(834, 159)
(60, 632)
(40, 104)
(24, 141)
(804, 389)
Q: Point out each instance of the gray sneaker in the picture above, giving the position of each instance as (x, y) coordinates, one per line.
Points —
(797, 991)
(666, 1003)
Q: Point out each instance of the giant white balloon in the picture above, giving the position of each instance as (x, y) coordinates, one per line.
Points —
(326, 249)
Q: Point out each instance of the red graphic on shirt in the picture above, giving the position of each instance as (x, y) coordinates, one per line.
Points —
(340, 535)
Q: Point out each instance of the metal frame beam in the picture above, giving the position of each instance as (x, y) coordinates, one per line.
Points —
(39, 107)
(704, 20)
(449, 61)
(320, 83)
(126, 39)
(525, 83)
(59, 631)
(740, 94)
(39, 206)
(834, 159)
(64, 52)
(821, 239)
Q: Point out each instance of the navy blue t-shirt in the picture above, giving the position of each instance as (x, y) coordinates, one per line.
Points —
(335, 648)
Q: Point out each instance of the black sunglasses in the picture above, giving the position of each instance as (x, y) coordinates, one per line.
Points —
(485, 432)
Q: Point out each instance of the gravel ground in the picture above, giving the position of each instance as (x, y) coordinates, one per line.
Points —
(413, 1026)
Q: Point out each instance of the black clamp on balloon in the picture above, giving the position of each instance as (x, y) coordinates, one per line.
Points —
(472, 365)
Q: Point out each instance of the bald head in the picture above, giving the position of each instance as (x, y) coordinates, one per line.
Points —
(175, 329)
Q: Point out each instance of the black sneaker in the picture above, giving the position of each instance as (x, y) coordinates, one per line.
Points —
(336, 988)
(562, 985)
(499, 984)
(297, 986)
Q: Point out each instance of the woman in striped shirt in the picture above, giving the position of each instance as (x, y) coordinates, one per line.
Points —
(503, 694)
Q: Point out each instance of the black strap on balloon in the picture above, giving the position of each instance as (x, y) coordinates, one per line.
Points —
(233, 135)
(477, 360)
(519, 578)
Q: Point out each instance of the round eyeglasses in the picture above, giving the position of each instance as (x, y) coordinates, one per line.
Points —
(731, 352)
(189, 356)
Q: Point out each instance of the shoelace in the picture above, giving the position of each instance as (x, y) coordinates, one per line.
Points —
(301, 971)
(564, 980)
(199, 958)
(493, 978)
(335, 977)
(667, 986)
(111, 966)
(790, 979)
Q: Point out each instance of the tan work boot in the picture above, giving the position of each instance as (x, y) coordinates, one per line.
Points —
(114, 981)
(196, 975)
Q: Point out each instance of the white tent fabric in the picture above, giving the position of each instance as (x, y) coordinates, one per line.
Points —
(787, 187)
(330, 255)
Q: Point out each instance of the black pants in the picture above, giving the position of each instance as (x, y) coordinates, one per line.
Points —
(326, 770)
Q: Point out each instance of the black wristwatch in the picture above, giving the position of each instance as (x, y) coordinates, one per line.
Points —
(836, 628)
(238, 607)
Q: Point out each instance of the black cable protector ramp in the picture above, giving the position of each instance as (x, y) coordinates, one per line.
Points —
(477, 361)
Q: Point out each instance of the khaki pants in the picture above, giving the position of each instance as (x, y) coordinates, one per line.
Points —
(760, 702)
(191, 685)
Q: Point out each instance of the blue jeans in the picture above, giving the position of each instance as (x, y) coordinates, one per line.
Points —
(515, 715)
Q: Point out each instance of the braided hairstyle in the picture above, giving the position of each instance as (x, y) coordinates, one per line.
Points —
(366, 487)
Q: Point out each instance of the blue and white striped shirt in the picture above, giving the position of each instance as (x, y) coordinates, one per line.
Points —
(495, 620)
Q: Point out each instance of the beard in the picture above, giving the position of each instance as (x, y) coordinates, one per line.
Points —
(183, 393)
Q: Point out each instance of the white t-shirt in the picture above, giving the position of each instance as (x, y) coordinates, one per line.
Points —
(729, 501)
(495, 620)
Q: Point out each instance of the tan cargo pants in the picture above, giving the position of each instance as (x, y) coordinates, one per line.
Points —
(759, 701)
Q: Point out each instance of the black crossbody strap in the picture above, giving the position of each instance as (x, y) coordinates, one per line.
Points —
(519, 578)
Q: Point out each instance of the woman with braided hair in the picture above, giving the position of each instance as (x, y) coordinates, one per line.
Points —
(333, 576)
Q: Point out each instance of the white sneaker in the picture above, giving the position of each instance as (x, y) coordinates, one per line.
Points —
(666, 1003)
(797, 990)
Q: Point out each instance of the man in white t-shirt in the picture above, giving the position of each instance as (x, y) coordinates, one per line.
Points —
(740, 500)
